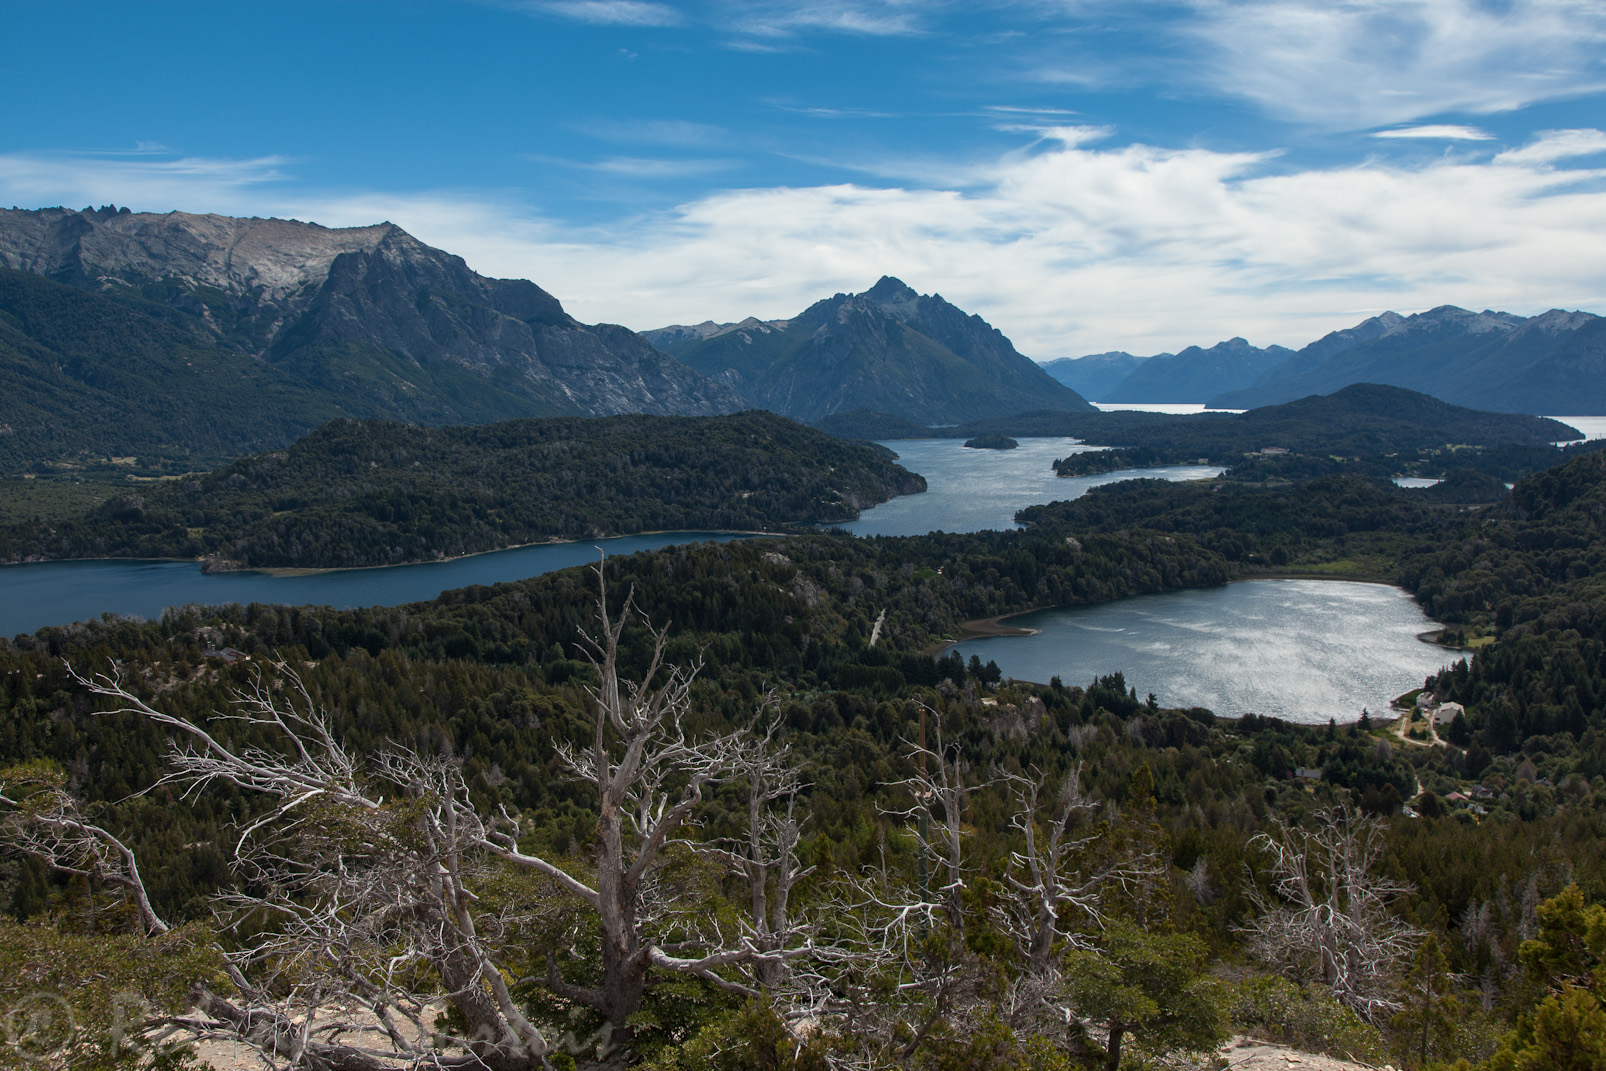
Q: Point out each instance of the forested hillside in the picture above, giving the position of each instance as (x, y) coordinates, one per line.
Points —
(1174, 822)
(373, 493)
(64, 350)
(179, 341)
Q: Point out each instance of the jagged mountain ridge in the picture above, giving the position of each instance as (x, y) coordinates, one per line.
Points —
(889, 349)
(1551, 363)
(1494, 361)
(1198, 373)
(361, 310)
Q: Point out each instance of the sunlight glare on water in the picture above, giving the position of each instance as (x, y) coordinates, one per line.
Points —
(1302, 650)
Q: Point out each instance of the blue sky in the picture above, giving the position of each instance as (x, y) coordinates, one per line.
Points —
(1086, 175)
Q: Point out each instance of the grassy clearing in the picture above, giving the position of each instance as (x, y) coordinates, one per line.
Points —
(52, 499)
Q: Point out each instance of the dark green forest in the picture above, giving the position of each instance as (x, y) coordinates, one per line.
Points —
(1498, 859)
(360, 493)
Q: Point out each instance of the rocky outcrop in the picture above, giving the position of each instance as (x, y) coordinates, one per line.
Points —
(352, 309)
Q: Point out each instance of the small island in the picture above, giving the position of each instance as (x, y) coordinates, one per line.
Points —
(991, 442)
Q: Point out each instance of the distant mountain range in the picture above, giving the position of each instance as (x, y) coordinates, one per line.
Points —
(889, 349)
(1552, 363)
(199, 338)
(1197, 372)
(1096, 376)
(179, 341)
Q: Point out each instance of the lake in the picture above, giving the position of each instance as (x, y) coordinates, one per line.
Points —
(1302, 650)
(970, 490)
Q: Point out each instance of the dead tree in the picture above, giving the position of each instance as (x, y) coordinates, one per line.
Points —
(1327, 916)
(649, 778)
(1057, 887)
(937, 792)
(908, 976)
(367, 881)
(766, 859)
(368, 891)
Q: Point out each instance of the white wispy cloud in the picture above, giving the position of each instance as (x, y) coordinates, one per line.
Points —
(1078, 247)
(1364, 63)
(646, 167)
(147, 176)
(1437, 132)
(1084, 249)
(610, 12)
(1553, 145)
(1039, 112)
(784, 18)
(815, 111)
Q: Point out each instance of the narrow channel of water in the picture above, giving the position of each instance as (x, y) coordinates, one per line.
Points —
(34, 595)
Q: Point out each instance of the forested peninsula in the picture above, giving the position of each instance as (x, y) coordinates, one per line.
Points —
(364, 493)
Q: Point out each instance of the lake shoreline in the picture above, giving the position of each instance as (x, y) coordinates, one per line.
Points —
(986, 626)
(320, 570)
(292, 570)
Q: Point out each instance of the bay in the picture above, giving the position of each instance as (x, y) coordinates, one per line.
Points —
(1301, 650)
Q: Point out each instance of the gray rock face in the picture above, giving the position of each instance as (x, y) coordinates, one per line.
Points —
(274, 264)
(352, 304)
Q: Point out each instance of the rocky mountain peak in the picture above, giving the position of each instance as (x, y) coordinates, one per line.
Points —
(1453, 317)
(891, 294)
(1559, 321)
(374, 301)
(889, 348)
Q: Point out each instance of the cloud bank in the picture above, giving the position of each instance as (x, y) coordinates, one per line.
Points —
(1074, 248)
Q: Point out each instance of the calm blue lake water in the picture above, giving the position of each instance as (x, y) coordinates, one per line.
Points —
(970, 490)
(1303, 650)
(54, 593)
